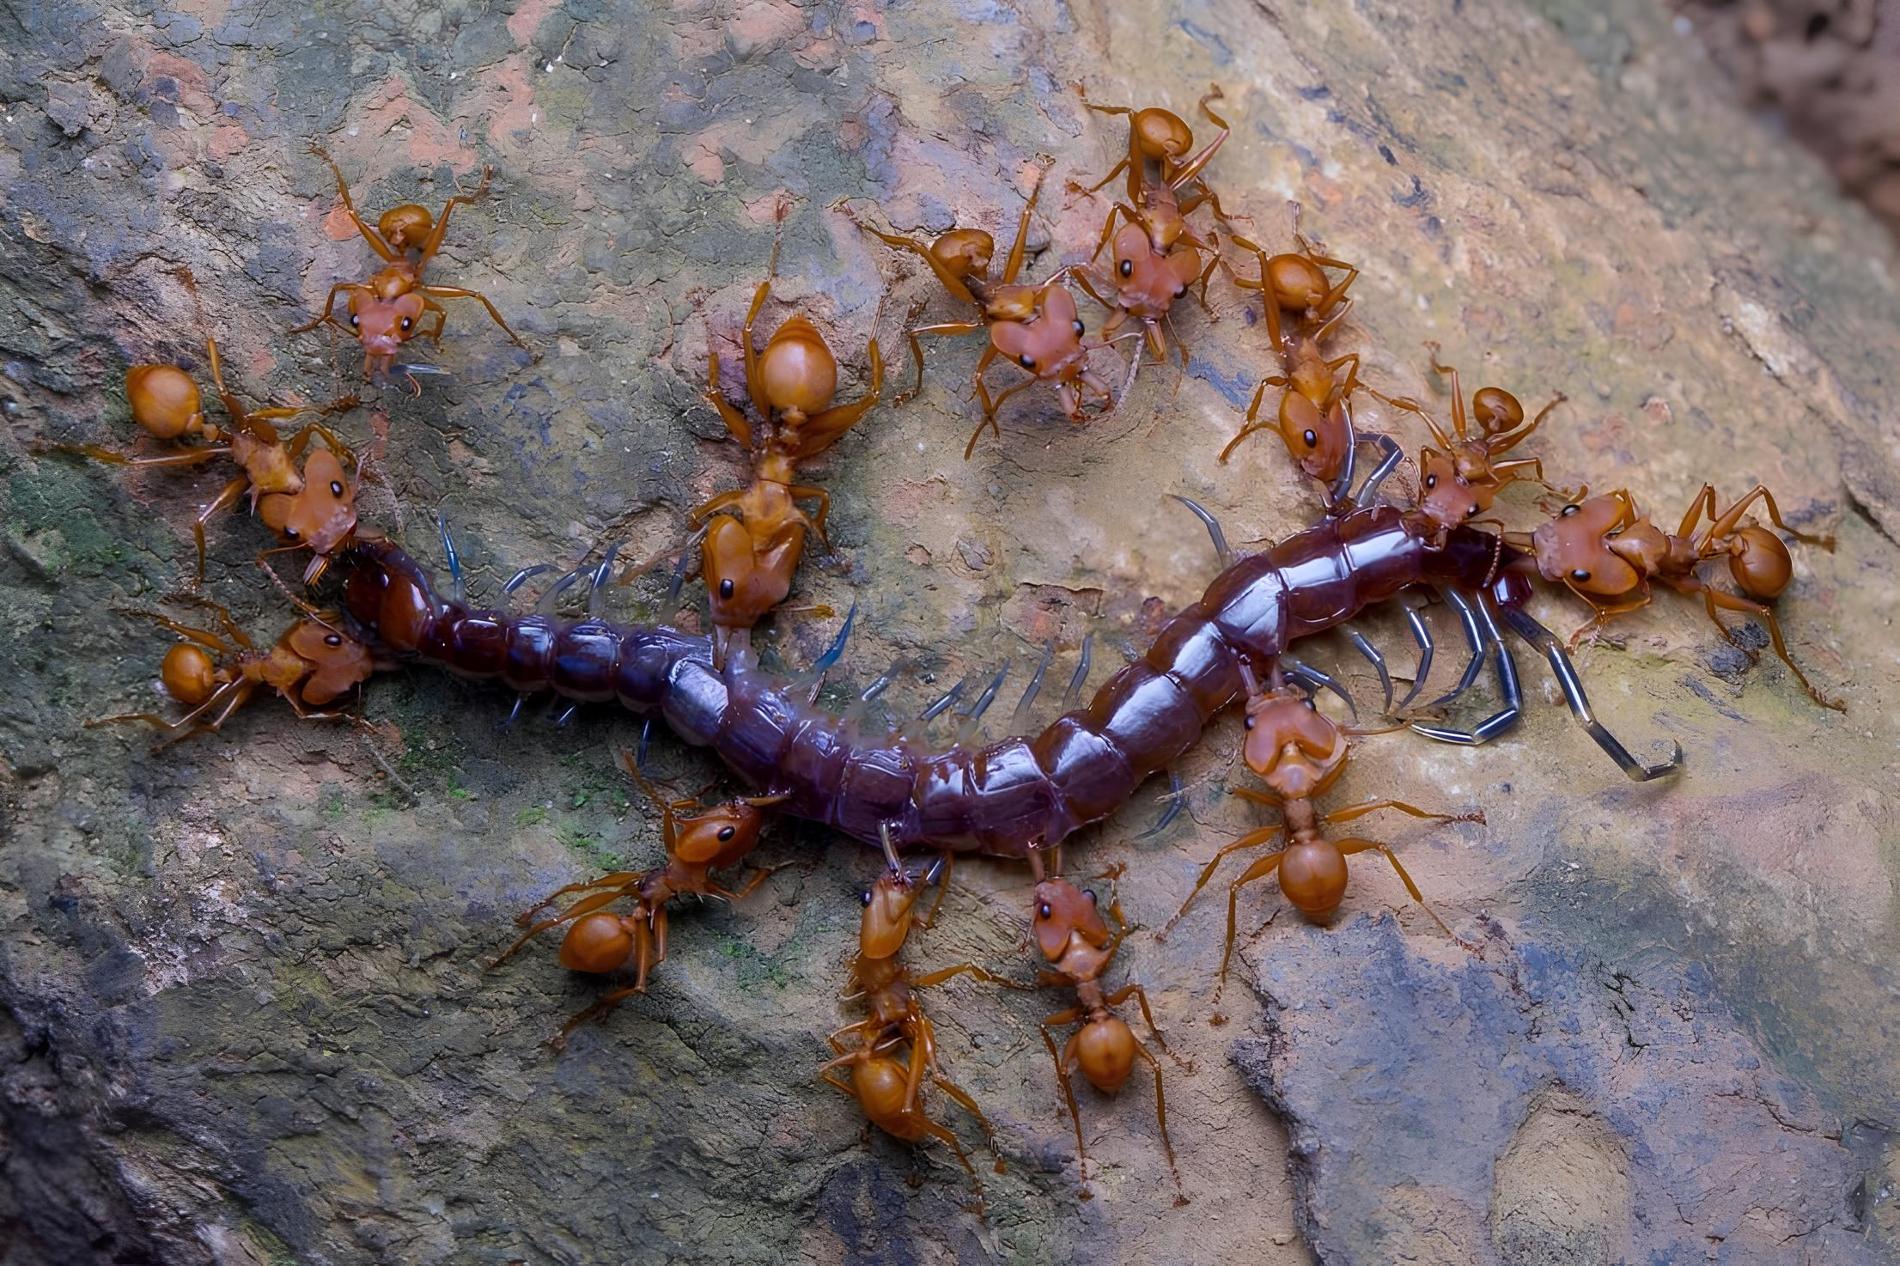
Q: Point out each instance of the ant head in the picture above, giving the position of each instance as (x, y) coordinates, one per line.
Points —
(1046, 345)
(965, 252)
(1495, 410)
(887, 912)
(1445, 496)
(1105, 1050)
(599, 942)
(1133, 251)
(189, 674)
(1160, 134)
(719, 836)
(743, 583)
(406, 227)
(323, 515)
(383, 326)
(1317, 441)
(1299, 284)
(337, 663)
(799, 371)
(1283, 730)
(1759, 561)
(165, 401)
(1574, 547)
(1062, 909)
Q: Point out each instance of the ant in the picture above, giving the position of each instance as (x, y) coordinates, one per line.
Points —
(1300, 752)
(1072, 935)
(888, 1088)
(1606, 552)
(698, 840)
(1163, 138)
(1463, 476)
(1036, 328)
(387, 310)
(312, 666)
(167, 405)
(750, 555)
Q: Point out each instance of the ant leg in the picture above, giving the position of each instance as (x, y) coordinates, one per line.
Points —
(754, 376)
(917, 351)
(1715, 598)
(942, 1134)
(705, 509)
(329, 310)
(460, 292)
(433, 243)
(822, 430)
(201, 636)
(1014, 264)
(1161, 1118)
(1253, 839)
(1350, 812)
(989, 415)
(1348, 847)
(196, 457)
(226, 498)
(601, 1007)
(967, 969)
(1259, 870)
(1767, 499)
(1567, 681)
(1062, 1058)
(1509, 690)
(586, 905)
(735, 420)
(1250, 426)
(968, 1104)
(370, 235)
(816, 522)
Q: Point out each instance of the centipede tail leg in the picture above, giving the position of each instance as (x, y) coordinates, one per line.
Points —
(1475, 638)
(1572, 686)
(1509, 689)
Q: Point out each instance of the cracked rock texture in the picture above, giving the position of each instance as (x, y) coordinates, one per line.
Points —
(243, 1012)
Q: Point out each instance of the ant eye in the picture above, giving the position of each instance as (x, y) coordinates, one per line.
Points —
(726, 833)
(333, 639)
(1080, 330)
(1311, 438)
(1247, 724)
(1579, 575)
(1470, 511)
(1180, 292)
(336, 488)
(725, 587)
(1043, 911)
(406, 323)
(1568, 510)
(1026, 361)
(865, 896)
(1090, 894)
(1431, 481)
(1310, 705)
(354, 323)
(290, 533)
(1127, 268)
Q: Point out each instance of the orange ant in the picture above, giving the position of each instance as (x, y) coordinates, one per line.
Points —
(1072, 935)
(387, 310)
(887, 1087)
(312, 666)
(1163, 138)
(1606, 552)
(1463, 476)
(314, 508)
(1036, 328)
(698, 841)
(750, 555)
(1300, 753)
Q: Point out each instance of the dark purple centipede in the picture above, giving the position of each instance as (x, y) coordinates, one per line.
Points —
(1015, 794)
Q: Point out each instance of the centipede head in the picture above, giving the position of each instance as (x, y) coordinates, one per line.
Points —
(165, 401)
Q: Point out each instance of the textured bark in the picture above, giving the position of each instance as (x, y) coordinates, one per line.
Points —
(245, 1017)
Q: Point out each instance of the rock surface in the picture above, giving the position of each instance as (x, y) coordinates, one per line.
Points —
(244, 1013)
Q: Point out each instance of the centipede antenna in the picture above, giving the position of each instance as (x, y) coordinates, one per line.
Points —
(1390, 455)
(943, 701)
(1475, 638)
(974, 713)
(833, 653)
(566, 714)
(1508, 689)
(1317, 680)
(545, 603)
(1572, 686)
(1019, 719)
(520, 578)
(1073, 694)
(1422, 634)
(1377, 660)
(1212, 524)
(458, 592)
(1175, 800)
(599, 581)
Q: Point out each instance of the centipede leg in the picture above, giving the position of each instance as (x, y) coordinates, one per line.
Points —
(1572, 686)
(1422, 634)
(598, 582)
(1377, 660)
(544, 605)
(1509, 690)
(1475, 638)
(1212, 524)
(1019, 718)
(938, 706)
(1390, 455)
(1314, 679)
(459, 591)
(974, 713)
(1081, 675)
(1176, 800)
(833, 653)
(521, 577)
